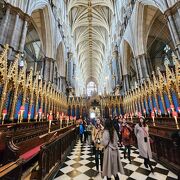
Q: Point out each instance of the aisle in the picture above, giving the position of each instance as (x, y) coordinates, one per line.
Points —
(80, 165)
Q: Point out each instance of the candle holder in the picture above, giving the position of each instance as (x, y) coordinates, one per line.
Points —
(50, 118)
(175, 115)
(36, 116)
(4, 115)
(40, 114)
(159, 113)
(144, 111)
(169, 112)
(60, 122)
(43, 116)
(29, 116)
(19, 116)
(152, 116)
(21, 113)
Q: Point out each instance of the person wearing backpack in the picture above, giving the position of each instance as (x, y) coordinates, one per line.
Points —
(126, 138)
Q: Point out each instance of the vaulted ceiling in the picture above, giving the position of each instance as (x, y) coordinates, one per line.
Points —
(90, 22)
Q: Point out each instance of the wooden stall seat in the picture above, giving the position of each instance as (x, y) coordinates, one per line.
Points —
(25, 139)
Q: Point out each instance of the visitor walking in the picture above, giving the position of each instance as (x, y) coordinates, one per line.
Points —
(111, 161)
(97, 134)
(141, 131)
(81, 131)
(126, 132)
(89, 132)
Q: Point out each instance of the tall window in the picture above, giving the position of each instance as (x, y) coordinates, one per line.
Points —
(91, 88)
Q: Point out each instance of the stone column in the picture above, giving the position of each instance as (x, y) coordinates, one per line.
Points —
(117, 65)
(144, 66)
(124, 84)
(58, 82)
(23, 35)
(136, 68)
(127, 82)
(174, 34)
(13, 30)
(4, 25)
(47, 69)
(172, 14)
(139, 69)
(51, 75)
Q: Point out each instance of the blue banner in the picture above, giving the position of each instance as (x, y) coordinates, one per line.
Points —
(8, 103)
(167, 103)
(112, 110)
(175, 101)
(73, 111)
(32, 111)
(18, 106)
(161, 105)
(69, 111)
(154, 102)
(26, 110)
(149, 104)
(117, 111)
(146, 107)
(77, 113)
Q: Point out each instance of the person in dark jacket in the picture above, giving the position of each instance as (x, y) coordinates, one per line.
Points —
(126, 132)
(81, 131)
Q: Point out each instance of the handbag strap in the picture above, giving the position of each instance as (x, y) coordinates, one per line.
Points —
(145, 132)
(96, 134)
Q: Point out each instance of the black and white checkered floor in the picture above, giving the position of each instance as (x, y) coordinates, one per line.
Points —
(80, 165)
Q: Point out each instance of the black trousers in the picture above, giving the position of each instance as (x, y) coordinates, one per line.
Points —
(98, 155)
(127, 147)
(81, 138)
(85, 136)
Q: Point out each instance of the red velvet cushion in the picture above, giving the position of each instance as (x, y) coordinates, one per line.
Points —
(31, 153)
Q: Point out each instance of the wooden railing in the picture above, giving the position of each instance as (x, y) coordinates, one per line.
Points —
(52, 154)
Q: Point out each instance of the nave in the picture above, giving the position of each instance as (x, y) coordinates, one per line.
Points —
(80, 165)
(67, 61)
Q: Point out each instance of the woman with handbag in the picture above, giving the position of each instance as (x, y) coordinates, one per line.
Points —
(141, 131)
(97, 134)
(111, 160)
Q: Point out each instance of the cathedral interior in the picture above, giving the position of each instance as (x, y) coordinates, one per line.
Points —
(67, 61)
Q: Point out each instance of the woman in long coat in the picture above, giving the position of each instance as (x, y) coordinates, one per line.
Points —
(141, 131)
(111, 161)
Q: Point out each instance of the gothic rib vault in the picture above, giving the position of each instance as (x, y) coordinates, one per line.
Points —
(90, 22)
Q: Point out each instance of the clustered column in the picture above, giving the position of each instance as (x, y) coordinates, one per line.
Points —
(142, 68)
(172, 16)
(13, 30)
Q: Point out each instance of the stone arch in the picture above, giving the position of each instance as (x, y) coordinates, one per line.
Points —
(127, 55)
(159, 5)
(156, 36)
(42, 19)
